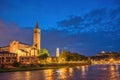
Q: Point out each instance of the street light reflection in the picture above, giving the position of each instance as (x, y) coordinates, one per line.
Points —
(48, 74)
(27, 75)
(114, 72)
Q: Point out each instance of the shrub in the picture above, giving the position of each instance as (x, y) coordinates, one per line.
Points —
(16, 64)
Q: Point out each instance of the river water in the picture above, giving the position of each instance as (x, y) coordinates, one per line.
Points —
(92, 72)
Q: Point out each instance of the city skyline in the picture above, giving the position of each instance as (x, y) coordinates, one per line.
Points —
(82, 26)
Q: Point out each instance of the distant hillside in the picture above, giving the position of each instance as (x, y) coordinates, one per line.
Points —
(106, 56)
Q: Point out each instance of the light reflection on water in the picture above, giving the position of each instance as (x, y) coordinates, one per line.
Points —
(93, 72)
(114, 72)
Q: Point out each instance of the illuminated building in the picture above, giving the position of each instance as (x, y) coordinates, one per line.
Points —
(57, 52)
(7, 58)
(26, 54)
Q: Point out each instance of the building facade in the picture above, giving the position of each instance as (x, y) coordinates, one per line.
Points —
(24, 53)
(7, 58)
(57, 52)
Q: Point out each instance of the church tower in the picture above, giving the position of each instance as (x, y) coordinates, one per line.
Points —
(37, 37)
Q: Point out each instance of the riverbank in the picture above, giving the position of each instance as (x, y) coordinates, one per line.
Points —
(42, 67)
(28, 69)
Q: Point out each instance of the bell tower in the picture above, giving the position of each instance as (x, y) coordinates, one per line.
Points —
(37, 37)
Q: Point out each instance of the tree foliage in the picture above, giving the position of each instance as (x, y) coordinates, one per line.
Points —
(16, 64)
(43, 54)
(68, 56)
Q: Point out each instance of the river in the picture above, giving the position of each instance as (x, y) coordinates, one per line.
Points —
(91, 72)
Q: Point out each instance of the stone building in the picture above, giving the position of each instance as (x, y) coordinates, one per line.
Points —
(7, 58)
(26, 54)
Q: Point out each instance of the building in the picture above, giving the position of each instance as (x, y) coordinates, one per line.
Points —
(7, 58)
(57, 52)
(24, 53)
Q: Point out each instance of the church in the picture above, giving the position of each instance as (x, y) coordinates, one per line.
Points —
(21, 52)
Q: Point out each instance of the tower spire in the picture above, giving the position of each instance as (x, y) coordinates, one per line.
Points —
(37, 37)
(36, 25)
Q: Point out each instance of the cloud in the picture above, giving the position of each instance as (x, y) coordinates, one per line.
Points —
(72, 21)
(11, 31)
(99, 20)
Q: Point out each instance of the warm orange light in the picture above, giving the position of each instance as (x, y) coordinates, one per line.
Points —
(71, 71)
(27, 77)
(48, 74)
(83, 69)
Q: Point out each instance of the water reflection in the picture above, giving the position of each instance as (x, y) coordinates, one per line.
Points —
(48, 74)
(63, 73)
(58, 74)
(114, 72)
(70, 70)
(93, 72)
(83, 69)
(27, 76)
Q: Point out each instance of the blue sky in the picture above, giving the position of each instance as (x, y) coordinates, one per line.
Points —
(83, 26)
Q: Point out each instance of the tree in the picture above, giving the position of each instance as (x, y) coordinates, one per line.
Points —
(43, 54)
(64, 55)
(16, 64)
(68, 56)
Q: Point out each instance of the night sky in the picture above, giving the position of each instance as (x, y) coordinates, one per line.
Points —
(83, 26)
